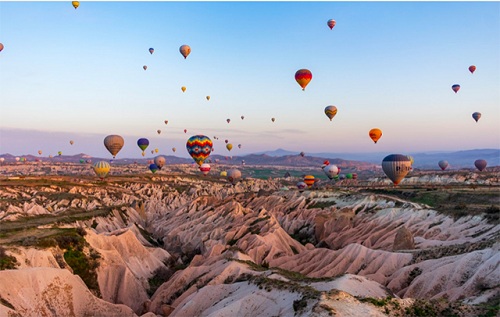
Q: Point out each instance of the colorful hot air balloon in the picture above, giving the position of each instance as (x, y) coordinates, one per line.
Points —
(330, 112)
(375, 134)
(75, 4)
(101, 168)
(301, 186)
(309, 180)
(153, 168)
(331, 23)
(143, 144)
(185, 50)
(151, 50)
(199, 147)
(1, 47)
(233, 176)
(228, 120)
(396, 166)
(331, 171)
(205, 168)
(455, 88)
(71, 142)
(59, 153)
(303, 77)
(480, 164)
(411, 159)
(443, 164)
(208, 97)
(158, 131)
(183, 88)
(476, 116)
(114, 144)
(144, 67)
(229, 146)
(472, 69)
(159, 161)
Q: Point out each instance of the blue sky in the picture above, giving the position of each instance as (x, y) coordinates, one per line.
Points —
(69, 74)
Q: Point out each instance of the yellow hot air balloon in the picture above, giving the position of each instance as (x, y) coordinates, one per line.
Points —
(330, 112)
(229, 146)
(101, 168)
(183, 89)
(375, 134)
(75, 4)
(208, 97)
(156, 150)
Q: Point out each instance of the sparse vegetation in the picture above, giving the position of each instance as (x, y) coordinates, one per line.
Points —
(7, 262)
(160, 276)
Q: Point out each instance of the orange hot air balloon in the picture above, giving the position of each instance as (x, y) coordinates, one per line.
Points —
(183, 89)
(375, 134)
(303, 77)
(472, 69)
(309, 180)
(1, 47)
(75, 4)
(331, 23)
(185, 50)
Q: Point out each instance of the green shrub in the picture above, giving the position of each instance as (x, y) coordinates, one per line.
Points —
(7, 262)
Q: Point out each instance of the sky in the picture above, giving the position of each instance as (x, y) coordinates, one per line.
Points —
(77, 74)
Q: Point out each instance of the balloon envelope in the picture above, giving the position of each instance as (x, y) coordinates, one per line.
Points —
(443, 164)
(159, 161)
(143, 143)
(151, 50)
(101, 168)
(476, 116)
(199, 147)
(144, 67)
(229, 146)
(331, 171)
(113, 143)
(480, 164)
(472, 69)
(309, 180)
(205, 168)
(208, 97)
(303, 77)
(301, 185)
(396, 166)
(455, 88)
(153, 168)
(75, 4)
(185, 50)
(233, 175)
(375, 134)
(331, 23)
(330, 112)
(183, 89)
(1, 47)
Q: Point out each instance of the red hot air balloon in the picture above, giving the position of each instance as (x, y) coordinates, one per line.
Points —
(472, 69)
(303, 77)
(331, 23)
(455, 88)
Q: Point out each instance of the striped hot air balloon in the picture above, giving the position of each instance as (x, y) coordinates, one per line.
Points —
(396, 166)
(199, 147)
(101, 168)
(330, 112)
(309, 180)
(205, 168)
(303, 77)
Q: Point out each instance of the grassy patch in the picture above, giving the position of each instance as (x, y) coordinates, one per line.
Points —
(322, 204)
(7, 262)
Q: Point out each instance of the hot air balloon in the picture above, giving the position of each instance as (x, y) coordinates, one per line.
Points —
(199, 147)
(152, 151)
(330, 112)
(303, 77)
(101, 168)
(153, 168)
(472, 69)
(229, 146)
(228, 120)
(205, 168)
(183, 88)
(476, 116)
(239, 146)
(233, 176)
(59, 153)
(208, 97)
(223, 174)
(156, 150)
(301, 186)
(273, 119)
(143, 144)
(151, 50)
(455, 88)
(75, 4)
(17, 159)
(185, 50)
(174, 149)
(331, 23)
(71, 142)
(242, 117)
(309, 180)
(1, 47)
(227, 141)
(88, 161)
(302, 154)
(82, 161)
(39, 152)
(2, 159)
(480, 164)
(166, 121)
(411, 159)
(443, 164)
(159, 161)
(354, 176)
(375, 134)
(331, 171)
(396, 166)
(348, 176)
(185, 130)
(144, 67)
(114, 144)
(158, 131)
